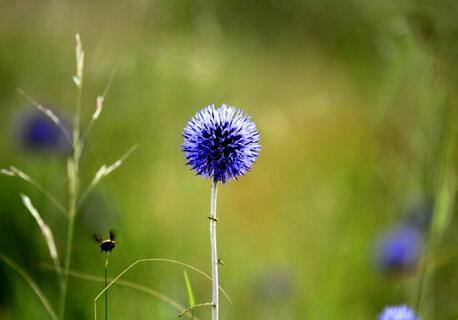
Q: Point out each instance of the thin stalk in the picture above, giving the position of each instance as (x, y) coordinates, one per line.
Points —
(199, 305)
(47, 112)
(44, 301)
(132, 265)
(132, 285)
(106, 170)
(47, 235)
(214, 251)
(73, 175)
(50, 197)
(63, 296)
(106, 284)
(59, 273)
(15, 172)
(100, 101)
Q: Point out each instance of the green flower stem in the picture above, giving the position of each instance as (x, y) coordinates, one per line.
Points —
(214, 251)
(106, 284)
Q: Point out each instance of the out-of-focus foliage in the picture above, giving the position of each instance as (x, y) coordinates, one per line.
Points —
(355, 103)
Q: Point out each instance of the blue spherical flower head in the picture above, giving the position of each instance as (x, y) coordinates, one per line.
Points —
(38, 133)
(397, 313)
(221, 143)
(400, 249)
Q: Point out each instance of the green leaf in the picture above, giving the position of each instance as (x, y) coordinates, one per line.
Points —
(187, 282)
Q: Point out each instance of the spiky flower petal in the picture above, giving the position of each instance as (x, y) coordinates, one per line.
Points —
(221, 143)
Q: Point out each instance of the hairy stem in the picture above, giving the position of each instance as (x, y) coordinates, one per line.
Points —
(214, 251)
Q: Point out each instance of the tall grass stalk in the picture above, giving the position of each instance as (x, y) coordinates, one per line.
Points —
(75, 197)
(214, 250)
(73, 164)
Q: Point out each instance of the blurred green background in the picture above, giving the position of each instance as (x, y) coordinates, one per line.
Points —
(352, 100)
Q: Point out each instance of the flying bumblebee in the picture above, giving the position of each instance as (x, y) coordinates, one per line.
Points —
(108, 244)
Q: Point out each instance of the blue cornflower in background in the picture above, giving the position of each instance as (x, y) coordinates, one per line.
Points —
(36, 132)
(399, 249)
(221, 143)
(402, 312)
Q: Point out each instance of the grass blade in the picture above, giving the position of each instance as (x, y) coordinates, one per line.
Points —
(15, 172)
(44, 301)
(187, 282)
(132, 285)
(153, 260)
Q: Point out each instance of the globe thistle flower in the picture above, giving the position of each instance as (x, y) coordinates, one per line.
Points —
(37, 132)
(221, 143)
(402, 312)
(400, 249)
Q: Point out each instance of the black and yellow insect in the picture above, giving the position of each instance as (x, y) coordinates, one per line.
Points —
(106, 245)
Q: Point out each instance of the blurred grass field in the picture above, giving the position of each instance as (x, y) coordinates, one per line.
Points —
(352, 100)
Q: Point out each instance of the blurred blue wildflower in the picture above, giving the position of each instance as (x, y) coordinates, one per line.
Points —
(36, 132)
(399, 249)
(221, 144)
(402, 312)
